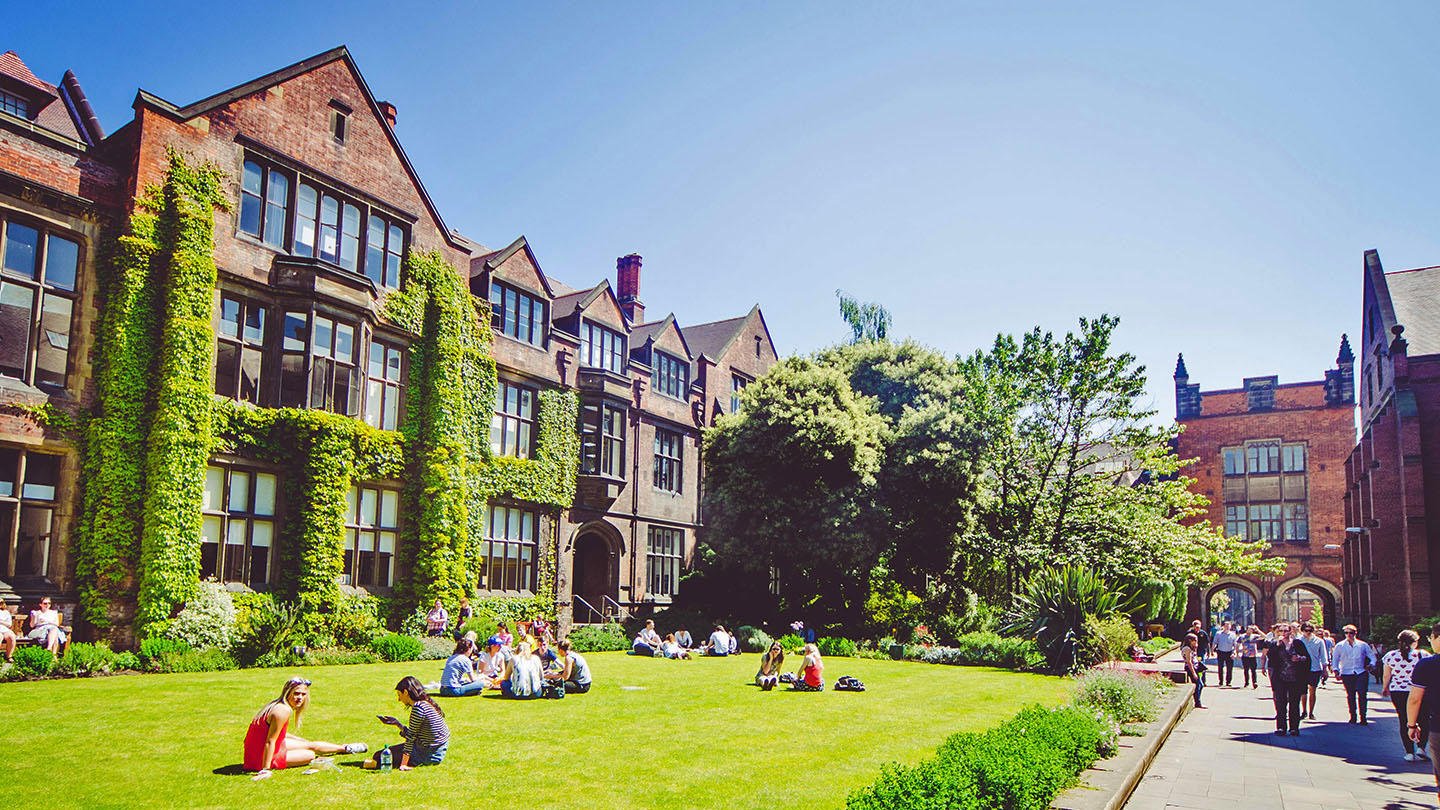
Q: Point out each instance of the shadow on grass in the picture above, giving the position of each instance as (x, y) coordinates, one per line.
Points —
(232, 770)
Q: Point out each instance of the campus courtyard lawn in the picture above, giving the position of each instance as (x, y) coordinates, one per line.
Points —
(651, 733)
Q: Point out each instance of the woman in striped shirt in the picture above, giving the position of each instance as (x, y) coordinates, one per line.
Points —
(427, 735)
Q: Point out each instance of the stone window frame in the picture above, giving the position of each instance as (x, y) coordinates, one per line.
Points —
(603, 429)
(47, 296)
(664, 559)
(511, 536)
(376, 528)
(671, 376)
(249, 516)
(26, 497)
(669, 474)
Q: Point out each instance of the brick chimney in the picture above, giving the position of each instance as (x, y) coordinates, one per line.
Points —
(388, 110)
(627, 282)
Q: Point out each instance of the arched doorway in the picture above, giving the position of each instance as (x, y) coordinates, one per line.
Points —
(1231, 603)
(594, 574)
(1308, 599)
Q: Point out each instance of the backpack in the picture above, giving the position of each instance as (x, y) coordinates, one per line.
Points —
(849, 684)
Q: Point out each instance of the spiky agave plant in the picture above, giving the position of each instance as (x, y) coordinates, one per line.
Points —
(1052, 610)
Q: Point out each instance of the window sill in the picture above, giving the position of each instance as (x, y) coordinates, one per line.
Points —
(518, 342)
(673, 494)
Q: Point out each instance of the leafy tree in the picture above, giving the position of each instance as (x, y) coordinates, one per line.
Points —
(868, 321)
(788, 481)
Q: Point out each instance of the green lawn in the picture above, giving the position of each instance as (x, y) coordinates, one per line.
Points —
(651, 733)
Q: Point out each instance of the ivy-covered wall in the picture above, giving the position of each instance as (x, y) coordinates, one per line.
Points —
(156, 424)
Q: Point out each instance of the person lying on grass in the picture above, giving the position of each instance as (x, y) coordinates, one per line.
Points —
(808, 679)
(574, 671)
(269, 746)
(426, 737)
(460, 678)
(770, 664)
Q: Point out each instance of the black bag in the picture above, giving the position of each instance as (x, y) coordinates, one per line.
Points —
(849, 684)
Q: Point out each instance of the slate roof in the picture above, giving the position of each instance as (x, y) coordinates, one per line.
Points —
(47, 109)
(710, 339)
(1416, 297)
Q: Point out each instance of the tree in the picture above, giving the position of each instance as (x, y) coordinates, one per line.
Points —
(1078, 472)
(868, 321)
(788, 481)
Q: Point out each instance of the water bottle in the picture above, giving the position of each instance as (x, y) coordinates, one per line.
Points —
(385, 758)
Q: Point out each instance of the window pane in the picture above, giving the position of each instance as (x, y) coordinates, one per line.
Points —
(329, 228)
(54, 347)
(264, 494)
(305, 221)
(255, 324)
(295, 332)
(389, 508)
(62, 261)
(42, 474)
(345, 342)
(392, 365)
(229, 317)
(292, 381)
(227, 369)
(214, 489)
(277, 199)
(375, 251)
(391, 420)
(376, 365)
(374, 402)
(251, 182)
(323, 343)
(239, 500)
(16, 303)
(350, 238)
(369, 505)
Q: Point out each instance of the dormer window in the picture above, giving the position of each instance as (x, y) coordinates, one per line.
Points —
(602, 348)
(13, 104)
(671, 376)
(339, 120)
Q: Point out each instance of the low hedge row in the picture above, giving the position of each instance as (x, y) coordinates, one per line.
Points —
(1019, 765)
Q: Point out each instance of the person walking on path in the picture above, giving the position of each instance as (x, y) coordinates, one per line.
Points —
(1194, 666)
(1202, 638)
(1289, 663)
(1395, 679)
(1329, 639)
(1225, 655)
(1249, 646)
(1426, 676)
(1319, 661)
(1352, 659)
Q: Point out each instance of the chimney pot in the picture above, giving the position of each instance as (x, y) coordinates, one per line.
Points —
(388, 110)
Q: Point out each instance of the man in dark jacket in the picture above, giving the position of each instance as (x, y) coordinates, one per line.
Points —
(1201, 636)
(1289, 664)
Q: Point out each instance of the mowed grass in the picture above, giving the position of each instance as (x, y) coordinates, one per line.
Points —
(650, 733)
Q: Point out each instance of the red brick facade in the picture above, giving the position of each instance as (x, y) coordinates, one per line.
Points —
(1287, 444)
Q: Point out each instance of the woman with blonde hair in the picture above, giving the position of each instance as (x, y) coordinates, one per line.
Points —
(808, 678)
(268, 745)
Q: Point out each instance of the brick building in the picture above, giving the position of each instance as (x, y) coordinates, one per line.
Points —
(1271, 460)
(1392, 495)
(589, 483)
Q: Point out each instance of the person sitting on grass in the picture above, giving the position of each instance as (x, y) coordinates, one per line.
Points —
(45, 626)
(719, 643)
(683, 638)
(647, 641)
(460, 678)
(670, 649)
(548, 659)
(574, 670)
(523, 679)
(426, 736)
(808, 678)
(541, 629)
(503, 633)
(7, 631)
(495, 661)
(770, 663)
(268, 746)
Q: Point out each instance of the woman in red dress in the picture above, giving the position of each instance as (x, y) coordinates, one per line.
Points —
(267, 743)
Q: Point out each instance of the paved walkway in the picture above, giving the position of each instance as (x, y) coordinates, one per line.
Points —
(1227, 756)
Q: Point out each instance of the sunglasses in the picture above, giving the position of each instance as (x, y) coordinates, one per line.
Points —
(298, 681)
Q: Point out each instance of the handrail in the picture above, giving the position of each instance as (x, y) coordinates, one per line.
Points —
(622, 612)
(589, 607)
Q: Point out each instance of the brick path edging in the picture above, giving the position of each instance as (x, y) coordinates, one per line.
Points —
(1109, 783)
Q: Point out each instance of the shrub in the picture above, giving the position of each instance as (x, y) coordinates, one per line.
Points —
(354, 621)
(491, 610)
(1019, 765)
(34, 662)
(207, 620)
(436, 648)
(86, 659)
(188, 660)
(153, 649)
(751, 639)
(1158, 645)
(791, 642)
(1109, 639)
(1385, 628)
(988, 649)
(1124, 697)
(339, 656)
(1053, 608)
(267, 630)
(125, 660)
(414, 625)
(835, 646)
(398, 647)
(598, 638)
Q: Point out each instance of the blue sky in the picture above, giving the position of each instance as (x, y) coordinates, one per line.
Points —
(1212, 175)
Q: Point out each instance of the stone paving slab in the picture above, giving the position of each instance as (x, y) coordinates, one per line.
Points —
(1227, 757)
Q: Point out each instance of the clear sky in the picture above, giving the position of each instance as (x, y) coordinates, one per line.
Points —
(1211, 174)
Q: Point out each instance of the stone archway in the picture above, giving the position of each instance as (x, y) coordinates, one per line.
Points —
(1296, 600)
(595, 570)
(1240, 603)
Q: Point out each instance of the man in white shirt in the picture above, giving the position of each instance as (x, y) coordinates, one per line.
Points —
(719, 642)
(1352, 660)
(1225, 655)
(1319, 662)
(7, 630)
(647, 641)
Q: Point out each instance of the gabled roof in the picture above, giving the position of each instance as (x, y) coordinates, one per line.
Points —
(60, 110)
(492, 260)
(715, 338)
(581, 300)
(650, 331)
(285, 74)
(11, 65)
(1415, 298)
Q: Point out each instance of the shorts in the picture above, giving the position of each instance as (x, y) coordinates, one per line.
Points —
(1315, 678)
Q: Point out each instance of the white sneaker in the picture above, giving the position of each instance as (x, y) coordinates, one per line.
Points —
(356, 748)
(1409, 757)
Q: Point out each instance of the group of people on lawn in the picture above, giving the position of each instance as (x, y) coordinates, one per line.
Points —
(680, 645)
(45, 629)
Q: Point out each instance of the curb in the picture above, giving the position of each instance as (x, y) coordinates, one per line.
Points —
(1110, 788)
